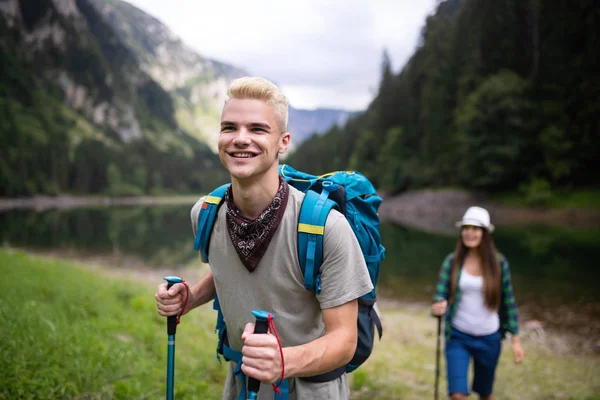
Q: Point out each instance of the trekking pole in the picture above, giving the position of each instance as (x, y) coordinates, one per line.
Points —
(437, 356)
(171, 328)
(261, 326)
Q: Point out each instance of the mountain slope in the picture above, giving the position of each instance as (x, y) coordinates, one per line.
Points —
(197, 84)
(99, 97)
(79, 115)
(304, 123)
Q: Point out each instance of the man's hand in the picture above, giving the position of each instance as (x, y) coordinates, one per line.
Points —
(439, 308)
(170, 302)
(261, 358)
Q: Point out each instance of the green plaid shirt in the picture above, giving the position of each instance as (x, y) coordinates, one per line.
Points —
(509, 319)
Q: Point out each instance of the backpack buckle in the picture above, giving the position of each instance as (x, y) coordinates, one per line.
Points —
(330, 186)
(318, 284)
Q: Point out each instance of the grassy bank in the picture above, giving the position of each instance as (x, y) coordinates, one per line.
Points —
(72, 332)
(579, 198)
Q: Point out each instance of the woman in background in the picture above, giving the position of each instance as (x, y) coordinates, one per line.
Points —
(474, 292)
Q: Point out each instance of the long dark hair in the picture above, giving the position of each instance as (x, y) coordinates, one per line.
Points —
(492, 279)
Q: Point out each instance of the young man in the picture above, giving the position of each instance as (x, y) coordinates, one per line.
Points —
(254, 262)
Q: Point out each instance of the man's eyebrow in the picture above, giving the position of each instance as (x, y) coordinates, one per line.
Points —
(260, 125)
(251, 125)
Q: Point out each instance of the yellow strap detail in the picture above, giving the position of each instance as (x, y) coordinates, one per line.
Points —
(314, 229)
(212, 200)
(333, 173)
(328, 174)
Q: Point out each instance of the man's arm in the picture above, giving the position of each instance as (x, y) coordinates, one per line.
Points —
(194, 213)
(334, 349)
(169, 302)
(202, 292)
(322, 355)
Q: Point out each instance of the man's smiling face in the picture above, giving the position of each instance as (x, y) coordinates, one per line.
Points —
(250, 138)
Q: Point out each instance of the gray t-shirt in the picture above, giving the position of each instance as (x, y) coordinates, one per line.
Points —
(277, 286)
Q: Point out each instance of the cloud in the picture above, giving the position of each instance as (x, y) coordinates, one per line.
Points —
(321, 53)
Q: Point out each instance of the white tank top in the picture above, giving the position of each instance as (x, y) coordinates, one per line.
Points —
(472, 316)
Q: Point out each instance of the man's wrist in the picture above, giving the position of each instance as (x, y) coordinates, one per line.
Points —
(290, 355)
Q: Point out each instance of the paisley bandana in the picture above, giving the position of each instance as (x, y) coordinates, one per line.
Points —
(251, 237)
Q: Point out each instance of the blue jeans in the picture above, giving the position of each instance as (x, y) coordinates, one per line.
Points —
(485, 351)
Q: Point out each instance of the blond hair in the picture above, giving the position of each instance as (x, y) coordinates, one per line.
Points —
(261, 89)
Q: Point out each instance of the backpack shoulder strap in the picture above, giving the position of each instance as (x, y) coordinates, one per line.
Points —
(206, 219)
(311, 227)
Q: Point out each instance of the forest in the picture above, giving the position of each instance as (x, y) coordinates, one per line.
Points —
(499, 96)
(79, 116)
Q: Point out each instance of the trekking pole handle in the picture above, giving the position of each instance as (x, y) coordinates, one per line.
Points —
(172, 320)
(261, 326)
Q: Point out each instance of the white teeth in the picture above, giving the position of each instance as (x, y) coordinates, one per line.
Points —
(242, 155)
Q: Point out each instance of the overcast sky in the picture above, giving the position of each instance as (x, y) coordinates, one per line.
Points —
(322, 53)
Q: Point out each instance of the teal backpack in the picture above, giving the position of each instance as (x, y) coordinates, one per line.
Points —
(354, 196)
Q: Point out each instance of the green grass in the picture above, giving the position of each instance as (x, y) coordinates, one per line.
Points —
(584, 198)
(579, 198)
(70, 331)
(403, 364)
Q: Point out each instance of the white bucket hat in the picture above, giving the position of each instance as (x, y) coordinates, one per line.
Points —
(477, 216)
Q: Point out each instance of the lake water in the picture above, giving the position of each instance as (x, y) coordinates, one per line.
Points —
(552, 268)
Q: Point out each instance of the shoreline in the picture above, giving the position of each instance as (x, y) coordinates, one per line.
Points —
(431, 210)
(65, 202)
(437, 211)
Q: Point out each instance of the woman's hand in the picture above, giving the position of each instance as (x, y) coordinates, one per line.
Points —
(439, 308)
(517, 349)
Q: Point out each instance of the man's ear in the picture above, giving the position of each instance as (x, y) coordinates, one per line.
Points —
(284, 142)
